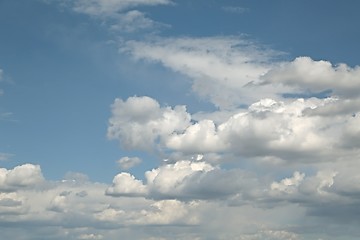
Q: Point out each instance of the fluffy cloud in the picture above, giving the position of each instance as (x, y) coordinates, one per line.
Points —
(185, 180)
(128, 162)
(82, 210)
(21, 176)
(300, 131)
(305, 73)
(139, 122)
(125, 184)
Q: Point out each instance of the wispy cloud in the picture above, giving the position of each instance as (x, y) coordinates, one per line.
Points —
(235, 9)
(126, 163)
(5, 156)
(222, 69)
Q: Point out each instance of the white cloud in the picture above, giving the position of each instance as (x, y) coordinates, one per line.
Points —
(169, 212)
(133, 21)
(139, 122)
(80, 209)
(111, 7)
(235, 9)
(91, 236)
(305, 73)
(118, 16)
(185, 180)
(125, 184)
(225, 70)
(299, 132)
(171, 180)
(288, 184)
(197, 138)
(21, 176)
(126, 163)
(12, 203)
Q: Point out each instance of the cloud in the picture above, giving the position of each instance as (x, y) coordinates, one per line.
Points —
(188, 193)
(225, 70)
(5, 156)
(288, 184)
(139, 122)
(91, 236)
(133, 21)
(11, 204)
(110, 7)
(305, 73)
(21, 176)
(125, 184)
(185, 180)
(126, 163)
(235, 9)
(300, 133)
(118, 16)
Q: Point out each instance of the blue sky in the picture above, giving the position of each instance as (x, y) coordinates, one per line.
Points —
(142, 117)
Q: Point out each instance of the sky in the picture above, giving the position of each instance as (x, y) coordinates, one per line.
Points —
(179, 119)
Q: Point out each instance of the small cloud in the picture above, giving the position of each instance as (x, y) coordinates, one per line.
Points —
(76, 177)
(235, 9)
(125, 184)
(126, 163)
(91, 236)
(5, 156)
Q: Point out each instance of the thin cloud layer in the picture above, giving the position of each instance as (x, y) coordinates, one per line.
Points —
(107, 8)
(223, 69)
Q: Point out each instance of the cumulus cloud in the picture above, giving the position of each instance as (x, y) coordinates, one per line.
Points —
(180, 194)
(125, 184)
(21, 176)
(288, 184)
(139, 122)
(126, 163)
(299, 131)
(185, 180)
(305, 73)
(11, 204)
